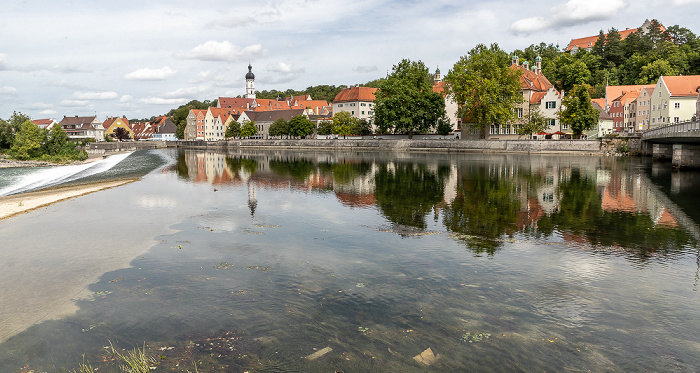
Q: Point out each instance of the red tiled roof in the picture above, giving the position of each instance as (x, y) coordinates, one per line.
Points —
(531, 80)
(537, 97)
(42, 122)
(589, 41)
(355, 94)
(613, 92)
(684, 85)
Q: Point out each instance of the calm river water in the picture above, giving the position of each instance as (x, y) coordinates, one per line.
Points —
(283, 261)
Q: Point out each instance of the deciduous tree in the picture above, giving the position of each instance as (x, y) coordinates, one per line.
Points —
(249, 129)
(233, 129)
(577, 110)
(405, 101)
(484, 86)
(300, 126)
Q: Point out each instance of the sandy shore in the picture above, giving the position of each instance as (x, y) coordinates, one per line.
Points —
(20, 203)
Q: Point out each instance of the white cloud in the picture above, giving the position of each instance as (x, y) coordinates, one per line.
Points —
(74, 103)
(571, 13)
(7, 90)
(223, 51)
(231, 22)
(281, 67)
(95, 95)
(126, 98)
(184, 92)
(151, 74)
(3, 62)
(366, 69)
(48, 112)
(163, 101)
(685, 2)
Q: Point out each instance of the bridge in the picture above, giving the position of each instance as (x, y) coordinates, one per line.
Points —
(678, 142)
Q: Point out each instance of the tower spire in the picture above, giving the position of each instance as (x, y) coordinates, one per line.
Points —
(250, 82)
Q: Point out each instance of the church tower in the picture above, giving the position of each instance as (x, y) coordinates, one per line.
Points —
(250, 83)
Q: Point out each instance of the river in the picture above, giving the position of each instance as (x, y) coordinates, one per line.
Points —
(281, 261)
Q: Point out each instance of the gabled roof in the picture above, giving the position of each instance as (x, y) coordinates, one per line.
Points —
(439, 87)
(537, 97)
(110, 120)
(222, 113)
(599, 105)
(531, 80)
(628, 97)
(682, 86)
(355, 94)
(78, 121)
(42, 122)
(613, 92)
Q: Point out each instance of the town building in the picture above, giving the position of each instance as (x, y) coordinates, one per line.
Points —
(605, 121)
(644, 107)
(44, 124)
(674, 99)
(194, 129)
(163, 129)
(83, 128)
(112, 123)
(215, 122)
(358, 101)
(264, 119)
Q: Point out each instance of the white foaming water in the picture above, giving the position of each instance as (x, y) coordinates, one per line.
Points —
(46, 177)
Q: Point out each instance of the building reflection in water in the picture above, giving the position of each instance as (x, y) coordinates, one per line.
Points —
(480, 201)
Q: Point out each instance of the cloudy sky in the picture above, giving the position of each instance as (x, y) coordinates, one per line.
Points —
(142, 58)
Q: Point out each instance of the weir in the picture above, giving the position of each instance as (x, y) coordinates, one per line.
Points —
(44, 177)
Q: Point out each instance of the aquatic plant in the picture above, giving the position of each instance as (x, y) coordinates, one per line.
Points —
(135, 361)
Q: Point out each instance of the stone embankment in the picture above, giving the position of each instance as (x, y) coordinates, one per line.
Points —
(118, 147)
(453, 145)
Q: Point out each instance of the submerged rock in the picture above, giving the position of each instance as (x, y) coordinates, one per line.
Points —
(319, 353)
(427, 357)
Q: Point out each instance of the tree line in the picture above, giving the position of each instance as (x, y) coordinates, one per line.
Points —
(21, 139)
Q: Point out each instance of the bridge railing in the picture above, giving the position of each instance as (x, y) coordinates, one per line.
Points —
(688, 126)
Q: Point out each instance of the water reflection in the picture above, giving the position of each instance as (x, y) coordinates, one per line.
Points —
(608, 207)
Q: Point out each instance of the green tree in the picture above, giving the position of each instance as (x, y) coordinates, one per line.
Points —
(613, 47)
(599, 46)
(249, 129)
(405, 101)
(444, 127)
(343, 123)
(534, 122)
(486, 89)
(651, 72)
(28, 142)
(577, 110)
(300, 126)
(325, 127)
(233, 129)
(362, 127)
(10, 128)
(280, 127)
(57, 142)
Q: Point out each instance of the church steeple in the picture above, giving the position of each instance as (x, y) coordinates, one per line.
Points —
(438, 78)
(250, 83)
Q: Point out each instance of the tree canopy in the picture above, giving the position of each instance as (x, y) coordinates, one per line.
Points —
(405, 101)
(249, 129)
(577, 110)
(484, 86)
(300, 126)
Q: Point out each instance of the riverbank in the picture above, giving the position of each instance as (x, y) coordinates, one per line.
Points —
(21, 203)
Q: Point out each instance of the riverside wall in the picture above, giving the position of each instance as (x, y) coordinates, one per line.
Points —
(452, 145)
(127, 146)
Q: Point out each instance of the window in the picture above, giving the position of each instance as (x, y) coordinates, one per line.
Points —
(363, 104)
(519, 112)
(340, 105)
(659, 94)
(363, 112)
(677, 105)
(550, 105)
(352, 112)
(552, 122)
(676, 119)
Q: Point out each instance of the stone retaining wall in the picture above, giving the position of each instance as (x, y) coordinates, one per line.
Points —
(494, 146)
(112, 147)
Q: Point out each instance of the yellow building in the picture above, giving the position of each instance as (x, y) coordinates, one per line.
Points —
(112, 123)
